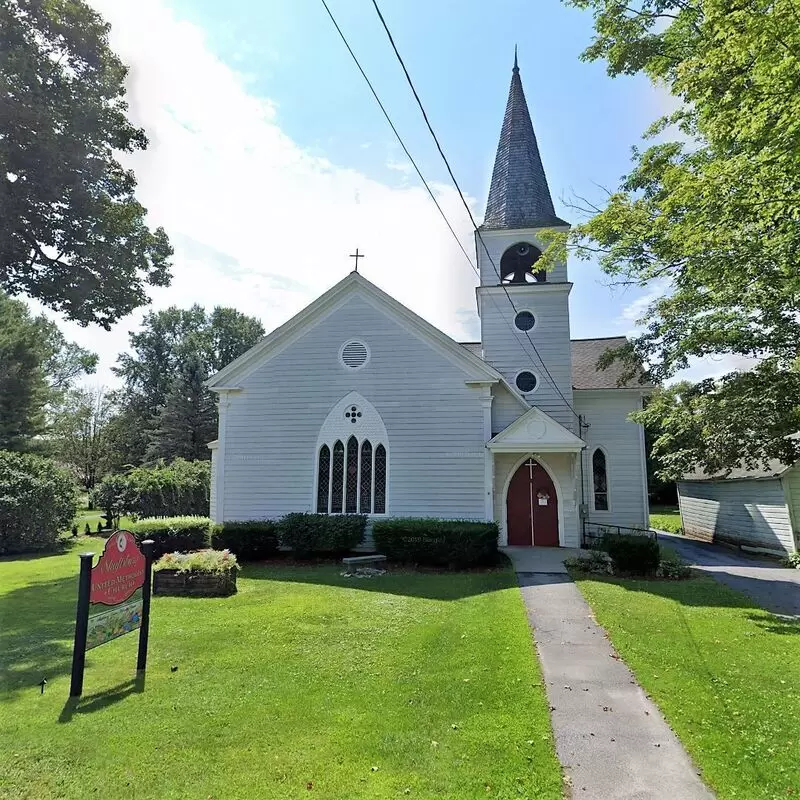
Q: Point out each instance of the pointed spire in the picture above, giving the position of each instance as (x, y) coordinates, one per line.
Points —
(518, 196)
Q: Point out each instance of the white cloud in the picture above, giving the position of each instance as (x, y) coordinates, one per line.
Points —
(636, 309)
(257, 222)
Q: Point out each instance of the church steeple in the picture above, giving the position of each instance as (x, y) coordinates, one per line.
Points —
(518, 196)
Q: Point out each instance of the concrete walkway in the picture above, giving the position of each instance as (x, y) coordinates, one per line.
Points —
(771, 586)
(611, 740)
(548, 560)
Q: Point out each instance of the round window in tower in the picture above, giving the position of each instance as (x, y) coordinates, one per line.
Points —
(526, 381)
(524, 321)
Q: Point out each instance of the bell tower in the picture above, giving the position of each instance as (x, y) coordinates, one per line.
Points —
(508, 248)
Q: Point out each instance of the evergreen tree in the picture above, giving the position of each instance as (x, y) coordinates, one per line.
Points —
(188, 420)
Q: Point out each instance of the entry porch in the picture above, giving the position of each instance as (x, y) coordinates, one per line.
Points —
(536, 483)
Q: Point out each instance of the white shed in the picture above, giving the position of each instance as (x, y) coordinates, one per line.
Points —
(757, 509)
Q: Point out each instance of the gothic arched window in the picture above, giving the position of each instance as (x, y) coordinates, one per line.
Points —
(600, 480)
(352, 459)
(380, 479)
(323, 479)
(366, 477)
(516, 264)
(351, 495)
(337, 478)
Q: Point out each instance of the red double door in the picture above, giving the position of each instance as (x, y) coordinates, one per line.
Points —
(532, 507)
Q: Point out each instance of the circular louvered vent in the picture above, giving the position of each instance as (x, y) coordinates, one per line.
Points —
(354, 354)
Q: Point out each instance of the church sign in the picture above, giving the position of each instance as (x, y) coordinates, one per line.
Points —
(113, 599)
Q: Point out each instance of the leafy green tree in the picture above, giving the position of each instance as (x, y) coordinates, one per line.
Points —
(38, 502)
(188, 420)
(37, 365)
(710, 211)
(23, 386)
(126, 437)
(168, 340)
(78, 434)
(72, 233)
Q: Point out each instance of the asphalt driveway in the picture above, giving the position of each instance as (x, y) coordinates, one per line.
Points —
(773, 587)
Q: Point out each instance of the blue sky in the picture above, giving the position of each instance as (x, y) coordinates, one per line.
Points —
(270, 161)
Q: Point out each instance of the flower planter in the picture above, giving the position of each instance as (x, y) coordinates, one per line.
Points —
(194, 583)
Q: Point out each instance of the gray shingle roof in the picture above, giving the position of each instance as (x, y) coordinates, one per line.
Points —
(772, 469)
(585, 372)
(518, 196)
(476, 348)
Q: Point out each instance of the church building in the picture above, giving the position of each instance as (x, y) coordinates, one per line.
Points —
(359, 406)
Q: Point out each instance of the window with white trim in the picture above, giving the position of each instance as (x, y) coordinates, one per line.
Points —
(351, 460)
(600, 480)
(355, 481)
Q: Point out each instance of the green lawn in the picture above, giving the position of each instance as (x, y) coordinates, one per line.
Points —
(665, 518)
(305, 684)
(725, 674)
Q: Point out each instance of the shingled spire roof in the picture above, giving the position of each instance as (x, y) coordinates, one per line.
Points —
(519, 196)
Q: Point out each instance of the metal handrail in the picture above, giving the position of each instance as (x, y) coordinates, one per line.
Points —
(593, 532)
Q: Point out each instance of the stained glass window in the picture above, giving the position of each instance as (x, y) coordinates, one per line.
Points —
(337, 478)
(323, 479)
(600, 475)
(351, 495)
(380, 480)
(366, 477)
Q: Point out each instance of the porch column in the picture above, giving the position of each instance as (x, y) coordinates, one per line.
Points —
(488, 456)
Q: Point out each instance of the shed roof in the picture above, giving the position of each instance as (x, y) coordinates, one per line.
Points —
(771, 469)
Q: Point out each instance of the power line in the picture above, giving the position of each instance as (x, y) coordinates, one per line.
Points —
(419, 173)
(399, 138)
(463, 201)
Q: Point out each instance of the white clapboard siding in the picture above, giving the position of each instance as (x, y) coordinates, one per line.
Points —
(607, 412)
(434, 421)
(505, 408)
(791, 488)
(509, 351)
(744, 512)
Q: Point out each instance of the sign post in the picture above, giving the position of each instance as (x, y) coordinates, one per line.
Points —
(81, 625)
(144, 631)
(113, 599)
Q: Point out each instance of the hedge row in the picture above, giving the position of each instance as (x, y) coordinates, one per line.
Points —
(180, 488)
(174, 534)
(304, 534)
(436, 542)
(433, 542)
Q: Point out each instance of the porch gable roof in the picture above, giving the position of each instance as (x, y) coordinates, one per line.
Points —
(535, 431)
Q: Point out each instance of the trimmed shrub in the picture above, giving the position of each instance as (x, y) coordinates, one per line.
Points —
(199, 561)
(792, 560)
(672, 566)
(320, 534)
(639, 555)
(437, 542)
(174, 534)
(592, 562)
(250, 541)
(38, 501)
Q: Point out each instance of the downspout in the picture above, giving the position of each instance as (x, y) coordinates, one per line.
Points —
(581, 426)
